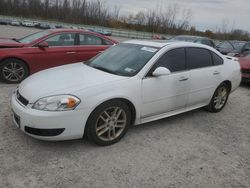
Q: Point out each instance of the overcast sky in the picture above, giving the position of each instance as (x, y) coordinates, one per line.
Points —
(206, 14)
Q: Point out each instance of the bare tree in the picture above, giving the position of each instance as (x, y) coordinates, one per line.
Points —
(171, 19)
(116, 12)
(185, 21)
(140, 18)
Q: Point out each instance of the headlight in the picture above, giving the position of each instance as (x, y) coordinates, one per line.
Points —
(57, 103)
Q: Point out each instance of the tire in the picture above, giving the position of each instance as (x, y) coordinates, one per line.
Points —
(108, 123)
(219, 98)
(13, 71)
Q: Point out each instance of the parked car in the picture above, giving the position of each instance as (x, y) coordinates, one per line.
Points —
(36, 23)
(234, 48)
(22, 57)
(43, 26)
(4, 22)
(159, 37)
(104, 32)
(195, 39)
(101, 31)
(54, 27)
(15, 23)
(27, 23)
(245, 67)
(58, 26)
(131, 83)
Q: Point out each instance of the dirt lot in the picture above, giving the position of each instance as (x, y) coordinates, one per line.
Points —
(191, 150)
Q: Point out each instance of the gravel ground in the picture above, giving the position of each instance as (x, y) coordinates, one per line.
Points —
(196, 149)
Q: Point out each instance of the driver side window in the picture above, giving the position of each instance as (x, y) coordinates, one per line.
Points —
(174, 60)
(64, 39)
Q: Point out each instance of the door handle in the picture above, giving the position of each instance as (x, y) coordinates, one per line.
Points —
(216, 72)
(183, 79)
(70, 52)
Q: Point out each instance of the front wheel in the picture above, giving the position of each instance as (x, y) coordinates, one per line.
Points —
(219, 98)
(108, 123)
(13, 71)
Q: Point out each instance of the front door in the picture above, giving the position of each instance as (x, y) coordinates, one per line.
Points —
(61, 51)
(166, 93)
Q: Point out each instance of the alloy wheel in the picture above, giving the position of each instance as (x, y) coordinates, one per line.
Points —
(111, 123)
(13, 72)
(220, 98)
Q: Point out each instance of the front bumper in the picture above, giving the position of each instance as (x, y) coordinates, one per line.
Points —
(64, 125)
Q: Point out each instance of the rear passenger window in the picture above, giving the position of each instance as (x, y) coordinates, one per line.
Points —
(174, 60)
(198, 58)
(86, 39)
(217, 59)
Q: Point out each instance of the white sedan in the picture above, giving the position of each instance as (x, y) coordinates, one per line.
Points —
(131, 83)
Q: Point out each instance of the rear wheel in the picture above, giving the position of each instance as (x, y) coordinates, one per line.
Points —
(219, 98)
(108, 123)
(13, 71)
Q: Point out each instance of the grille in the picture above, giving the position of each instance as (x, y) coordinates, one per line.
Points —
(245, 71)
(21, 99)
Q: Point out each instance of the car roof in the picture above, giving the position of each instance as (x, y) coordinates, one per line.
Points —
(190, 36)
(65, 30)
(147, 43)
(167, 43)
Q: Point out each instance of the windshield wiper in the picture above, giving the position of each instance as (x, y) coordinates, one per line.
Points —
(104, 69)
(15, 40)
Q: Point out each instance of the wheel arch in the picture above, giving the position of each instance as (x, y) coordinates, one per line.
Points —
(131, 107)
(228, 83)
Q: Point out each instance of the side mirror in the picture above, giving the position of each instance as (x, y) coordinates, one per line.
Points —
(161, 71)
(43, 45)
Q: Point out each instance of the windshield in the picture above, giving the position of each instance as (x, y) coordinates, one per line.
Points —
(238, 45)
(225, 45)
(123, 59)
(33, 37)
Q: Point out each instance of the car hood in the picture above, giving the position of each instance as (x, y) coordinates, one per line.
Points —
(244, 63)
(65, 79)
(9, 43)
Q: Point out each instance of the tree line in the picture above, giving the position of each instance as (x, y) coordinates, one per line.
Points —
(168, 20)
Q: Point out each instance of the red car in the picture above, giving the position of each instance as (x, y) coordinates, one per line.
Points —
(21, 57)
(245, 67)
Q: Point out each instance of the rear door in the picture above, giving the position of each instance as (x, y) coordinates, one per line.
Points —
(61, 51)
(90, 45)
(205, 75)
